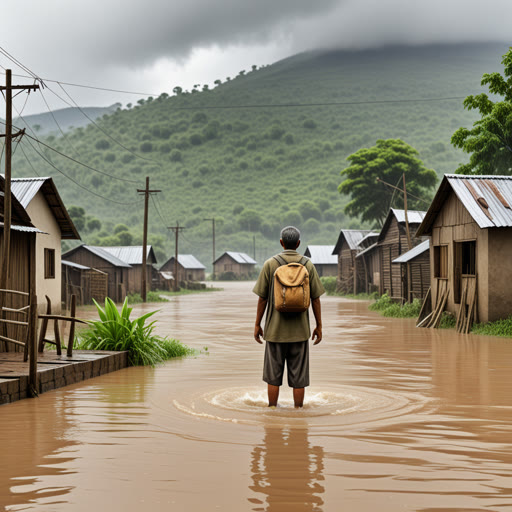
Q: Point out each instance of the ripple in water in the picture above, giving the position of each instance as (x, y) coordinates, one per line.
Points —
(346, 405)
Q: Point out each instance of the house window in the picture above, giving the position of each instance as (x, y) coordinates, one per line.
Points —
(441, 261)
(49, 263)
(468, 258)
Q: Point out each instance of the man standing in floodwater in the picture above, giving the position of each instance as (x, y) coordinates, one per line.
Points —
(287, 334)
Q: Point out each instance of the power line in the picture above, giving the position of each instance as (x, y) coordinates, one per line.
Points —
(105, 132)
(49, 162)
(40, 142)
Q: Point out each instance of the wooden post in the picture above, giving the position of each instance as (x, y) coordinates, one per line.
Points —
(409, 241)
(44, 324)
(176, 280)
(71, 339)
(213, 236)
(32, 339)
(7, 184)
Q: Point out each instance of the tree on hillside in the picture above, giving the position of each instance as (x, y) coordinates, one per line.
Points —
(490, 140)
(388, 160)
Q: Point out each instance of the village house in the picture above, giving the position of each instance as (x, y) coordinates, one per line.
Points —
(415, 271)
(346, 249)
(393, 242)
(132, 256)
(238, 264)
(85, 283)
(469, 224)
(189, 268)
(326, 263)
(98, 258)
(42, 202)
(367, 264)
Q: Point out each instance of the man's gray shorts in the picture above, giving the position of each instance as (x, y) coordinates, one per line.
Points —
(296, 356)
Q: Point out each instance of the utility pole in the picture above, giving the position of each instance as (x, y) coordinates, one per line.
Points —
(8, 88)
(147, 193)
(409, 242)
(254, 247)
(213, 234)
(176, 230)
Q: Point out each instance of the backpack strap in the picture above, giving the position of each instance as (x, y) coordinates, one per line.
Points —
(304, 260)
(280, 260)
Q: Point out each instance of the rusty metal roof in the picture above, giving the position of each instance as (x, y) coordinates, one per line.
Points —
(413, 253)
(25, 189)
(321, 254)
(131, 254)
(488, 199)
(352, 236)
(100, 252)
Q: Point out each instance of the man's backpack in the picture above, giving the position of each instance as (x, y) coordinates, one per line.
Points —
(291, 286)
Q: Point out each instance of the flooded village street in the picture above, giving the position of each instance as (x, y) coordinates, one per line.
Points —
(396, 419)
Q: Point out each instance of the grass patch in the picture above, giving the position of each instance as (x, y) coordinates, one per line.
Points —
(448, 321)
(386, 307)
(151, 296)
(501, 328)
(115, 331)
(329, 283)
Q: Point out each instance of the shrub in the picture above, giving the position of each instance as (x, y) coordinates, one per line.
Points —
(110, 157)
(195, 139)
(115, 331)
(276, 132)
(292, 218)
(501, 327)
(329, 283)
(102, 144)
(151, 296)
(146, 147)
(175, 156)
(288, 138)
(388, 308)
(126, 159)
(309, 124)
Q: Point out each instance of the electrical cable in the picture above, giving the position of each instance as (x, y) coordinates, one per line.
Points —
(49, 162)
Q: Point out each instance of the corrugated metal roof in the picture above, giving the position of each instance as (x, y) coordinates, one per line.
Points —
(321, 254)
(352, 236)
(74, 265)
(368, 240)
(131, 254)
(494, 191)
(107, 256)
(190, 262)
(238, 257)
(24, 229)
(25, 189)
(413, 253)
(367, 250)
(488, 199)
(413, 216)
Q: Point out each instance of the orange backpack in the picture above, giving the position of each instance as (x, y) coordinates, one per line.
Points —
(291, 286)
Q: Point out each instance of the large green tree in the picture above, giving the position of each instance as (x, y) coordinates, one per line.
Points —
(388, 160)
(489, 142)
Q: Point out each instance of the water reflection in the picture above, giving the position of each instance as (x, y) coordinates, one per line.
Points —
(288, 470)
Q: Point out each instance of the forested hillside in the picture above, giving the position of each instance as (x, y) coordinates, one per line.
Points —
(246, 154)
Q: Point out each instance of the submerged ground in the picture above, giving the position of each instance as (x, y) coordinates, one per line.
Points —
(397, 418)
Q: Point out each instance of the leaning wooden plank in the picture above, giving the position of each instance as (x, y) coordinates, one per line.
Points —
(437, 311)
(426, 308)
(461, 313)
(44, 325)
(437, 319)
(424, 322)
(469, 321)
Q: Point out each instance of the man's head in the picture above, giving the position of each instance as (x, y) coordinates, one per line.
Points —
(290, 237)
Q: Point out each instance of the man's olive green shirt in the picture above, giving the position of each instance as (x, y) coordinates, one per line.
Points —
(286, 327)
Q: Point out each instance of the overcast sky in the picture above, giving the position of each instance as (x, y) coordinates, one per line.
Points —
(154, 45)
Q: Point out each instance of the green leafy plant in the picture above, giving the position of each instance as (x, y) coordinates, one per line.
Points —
(115, 331)
(502, 327)
(386, 307)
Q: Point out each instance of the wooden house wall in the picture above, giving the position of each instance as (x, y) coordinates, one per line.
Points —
(196, 274)
(117, 276)
(134, 278)
(346, 268)
(391, 247)
(418, 272)
(327, 270)
(227, 264)
(455, 224)
(368, 271)
(21, 275)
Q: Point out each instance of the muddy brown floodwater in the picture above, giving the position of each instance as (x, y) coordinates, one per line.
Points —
(396, 419)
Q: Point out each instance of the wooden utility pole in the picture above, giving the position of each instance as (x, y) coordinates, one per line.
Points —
(409, 241)
(8, 88)
(176, 230)
(213, 234)
(146, 192)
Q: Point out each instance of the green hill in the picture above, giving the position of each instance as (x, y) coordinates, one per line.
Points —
(213, 154)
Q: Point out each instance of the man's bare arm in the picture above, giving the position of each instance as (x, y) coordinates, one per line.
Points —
(260, 311)
(317, 311)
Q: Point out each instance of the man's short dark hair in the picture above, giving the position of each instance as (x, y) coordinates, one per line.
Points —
(290, 236)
